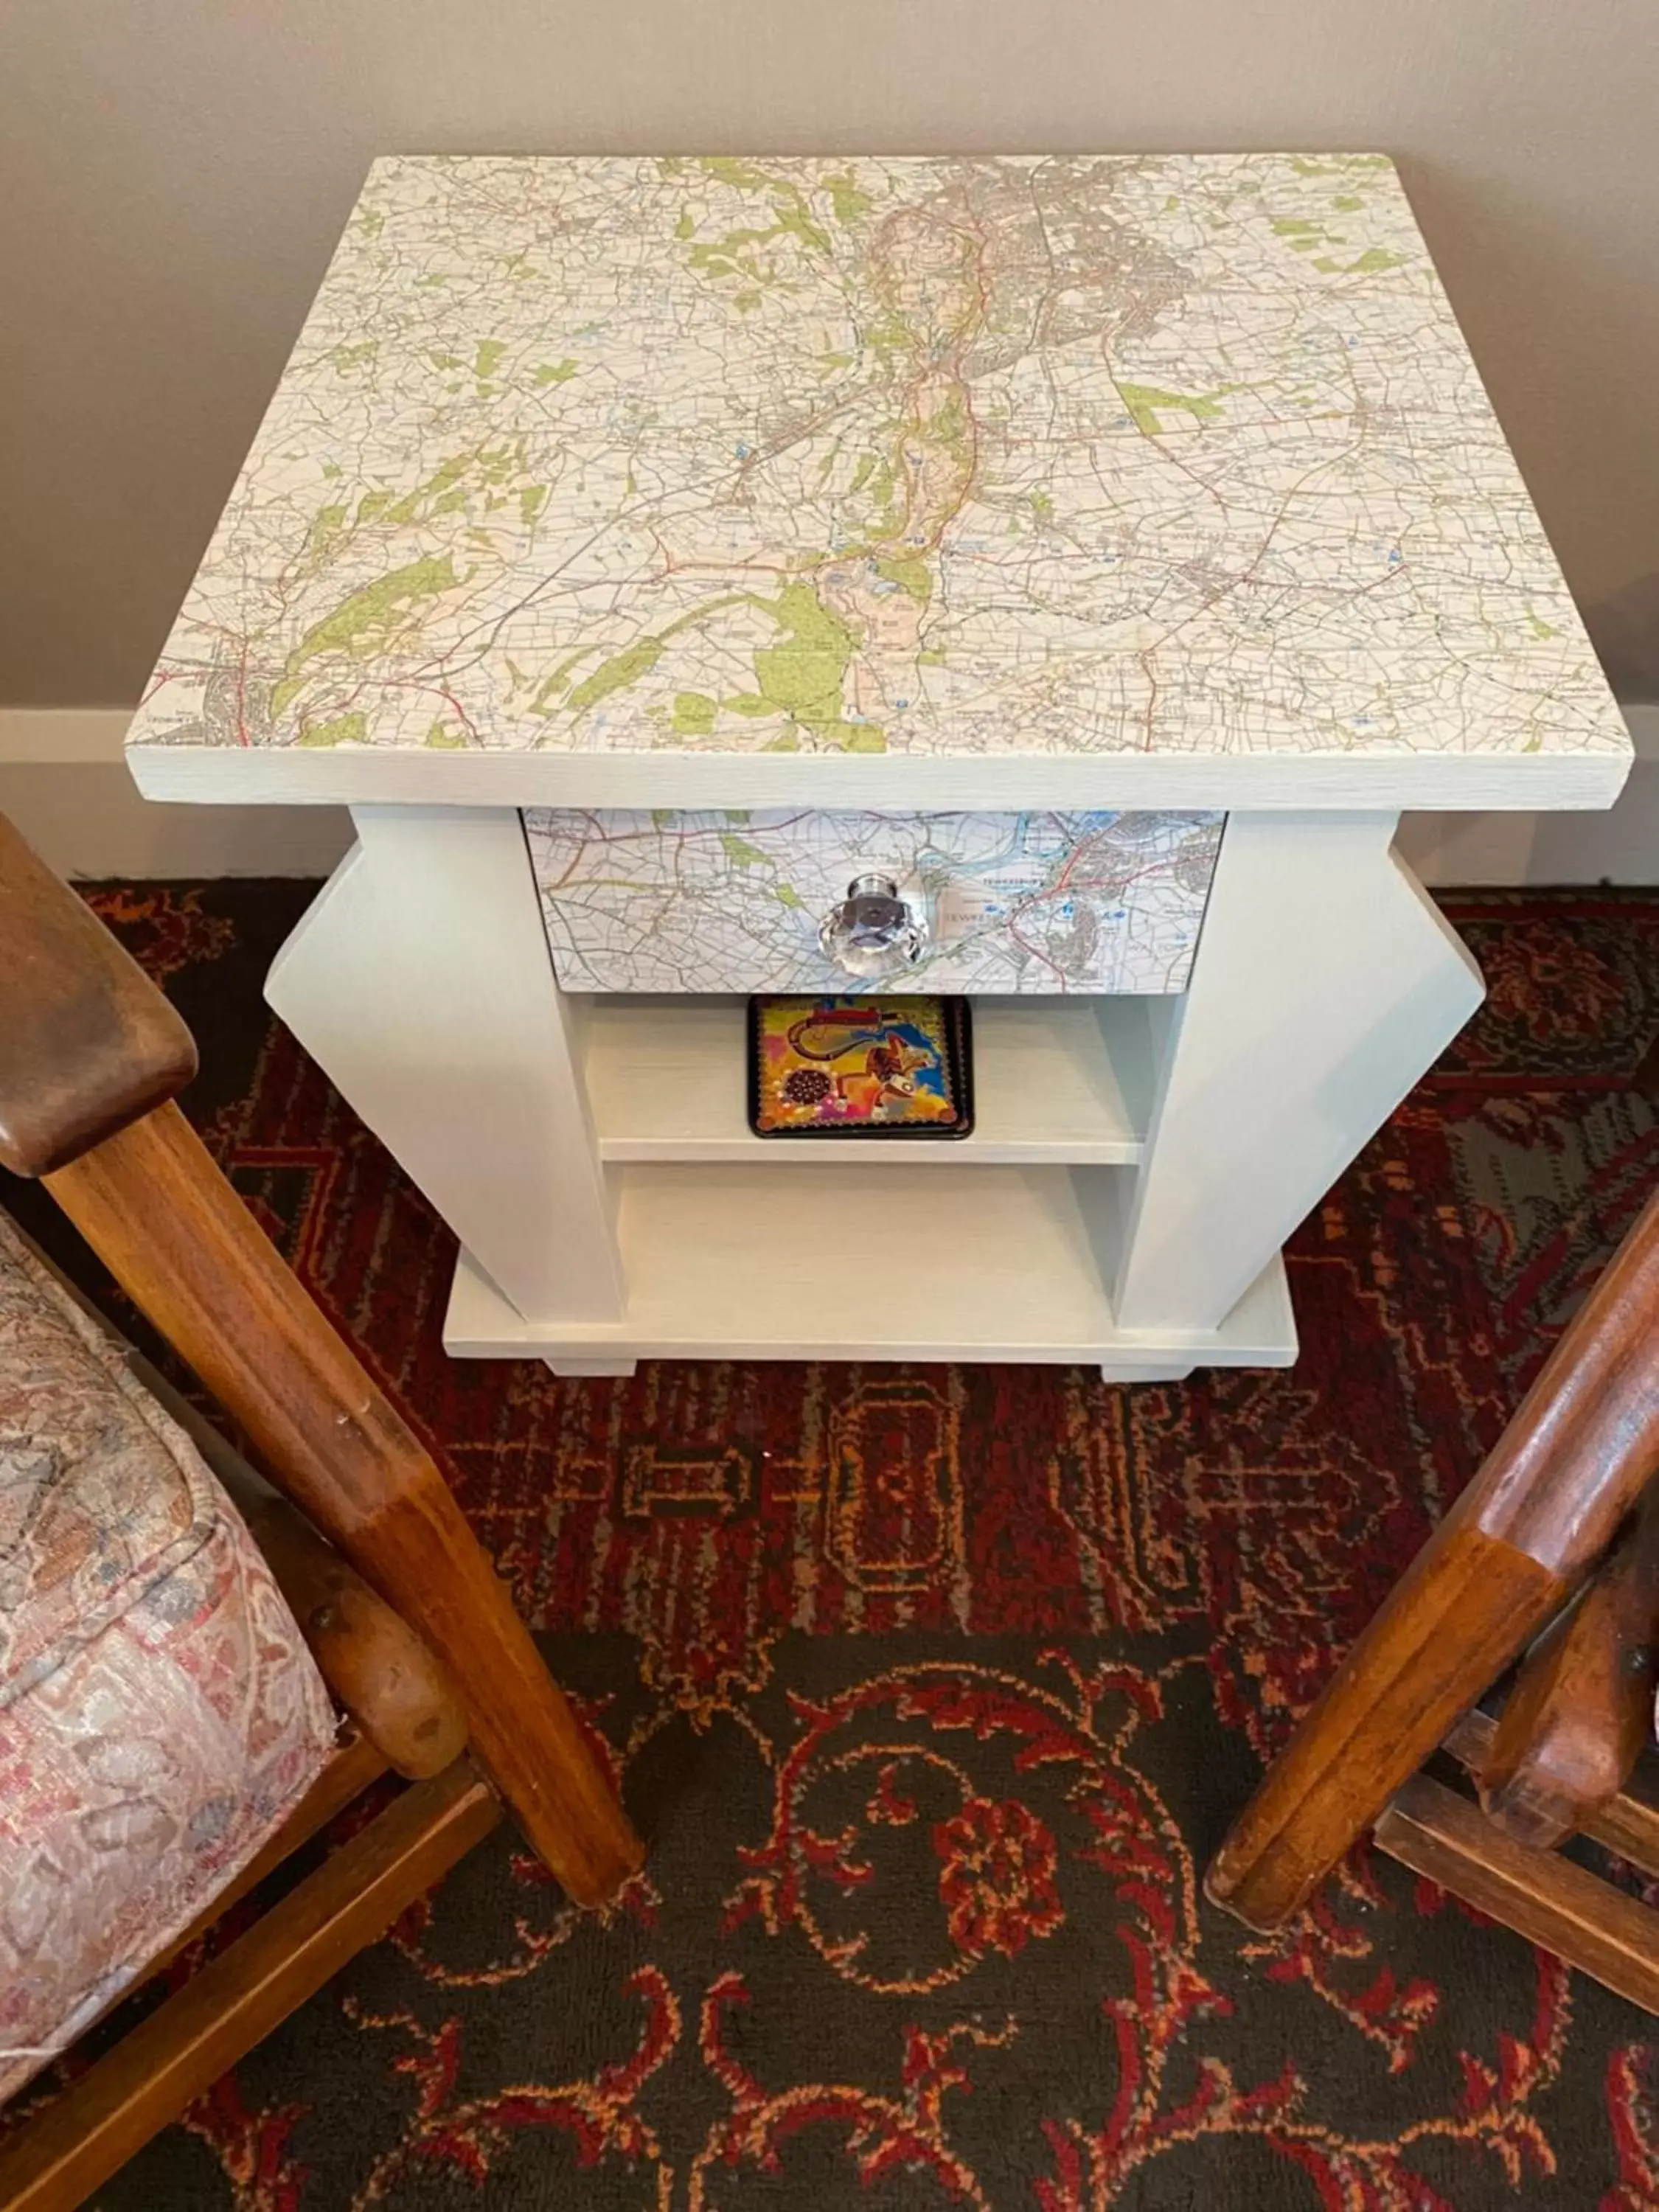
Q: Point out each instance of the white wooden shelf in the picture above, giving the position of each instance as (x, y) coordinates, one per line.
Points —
(849, 1263)
(1057, 1082)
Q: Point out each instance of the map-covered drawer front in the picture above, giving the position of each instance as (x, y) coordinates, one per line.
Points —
(1024, 902)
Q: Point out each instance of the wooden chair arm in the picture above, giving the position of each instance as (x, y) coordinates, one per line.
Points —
(87, 1044)
(1576, 1456)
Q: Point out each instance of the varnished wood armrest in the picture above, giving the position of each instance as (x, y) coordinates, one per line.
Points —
(87, 1044)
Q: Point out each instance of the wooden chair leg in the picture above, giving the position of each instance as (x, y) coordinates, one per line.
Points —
(1545, 1504)
(152, 1204)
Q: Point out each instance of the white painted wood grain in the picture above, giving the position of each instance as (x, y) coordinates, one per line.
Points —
(1056, 1082)
(420, 981)
(63, 780)
(341, 776)
(850, 1263)
(1326, 983)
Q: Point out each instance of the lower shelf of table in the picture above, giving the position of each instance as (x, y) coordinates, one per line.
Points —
(988, 1263)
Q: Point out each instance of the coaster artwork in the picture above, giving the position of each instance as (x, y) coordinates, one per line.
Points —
(859, 1068)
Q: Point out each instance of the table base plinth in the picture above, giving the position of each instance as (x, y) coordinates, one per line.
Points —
(681, 1313)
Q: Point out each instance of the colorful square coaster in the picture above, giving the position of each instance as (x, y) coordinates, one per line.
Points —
(873, 1066)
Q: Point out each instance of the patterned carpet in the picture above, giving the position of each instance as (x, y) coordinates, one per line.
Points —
(934, 1688)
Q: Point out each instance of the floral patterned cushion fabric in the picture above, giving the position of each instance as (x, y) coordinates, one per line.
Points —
(160, 1714)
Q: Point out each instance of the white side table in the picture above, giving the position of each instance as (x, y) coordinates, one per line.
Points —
(1104, 550)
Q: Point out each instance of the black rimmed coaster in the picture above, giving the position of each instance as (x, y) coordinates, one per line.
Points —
(875, 1066)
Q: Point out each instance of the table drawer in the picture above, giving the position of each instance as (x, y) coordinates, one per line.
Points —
(1027, 903)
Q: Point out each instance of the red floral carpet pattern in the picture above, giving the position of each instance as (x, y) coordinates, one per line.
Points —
(934, 1687)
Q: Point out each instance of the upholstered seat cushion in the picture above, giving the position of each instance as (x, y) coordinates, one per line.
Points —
(159, 1715)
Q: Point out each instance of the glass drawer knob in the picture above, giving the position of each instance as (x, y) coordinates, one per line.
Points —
(873, 933)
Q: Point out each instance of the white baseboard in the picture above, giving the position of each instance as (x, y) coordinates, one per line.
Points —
(64, 782)
(1620, 846)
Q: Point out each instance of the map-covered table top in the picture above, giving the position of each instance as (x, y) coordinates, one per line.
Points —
(611, 480)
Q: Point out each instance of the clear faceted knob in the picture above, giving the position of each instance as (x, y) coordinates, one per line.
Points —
(873, 933)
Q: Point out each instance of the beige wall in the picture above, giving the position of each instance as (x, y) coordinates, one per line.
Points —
(172, 175)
